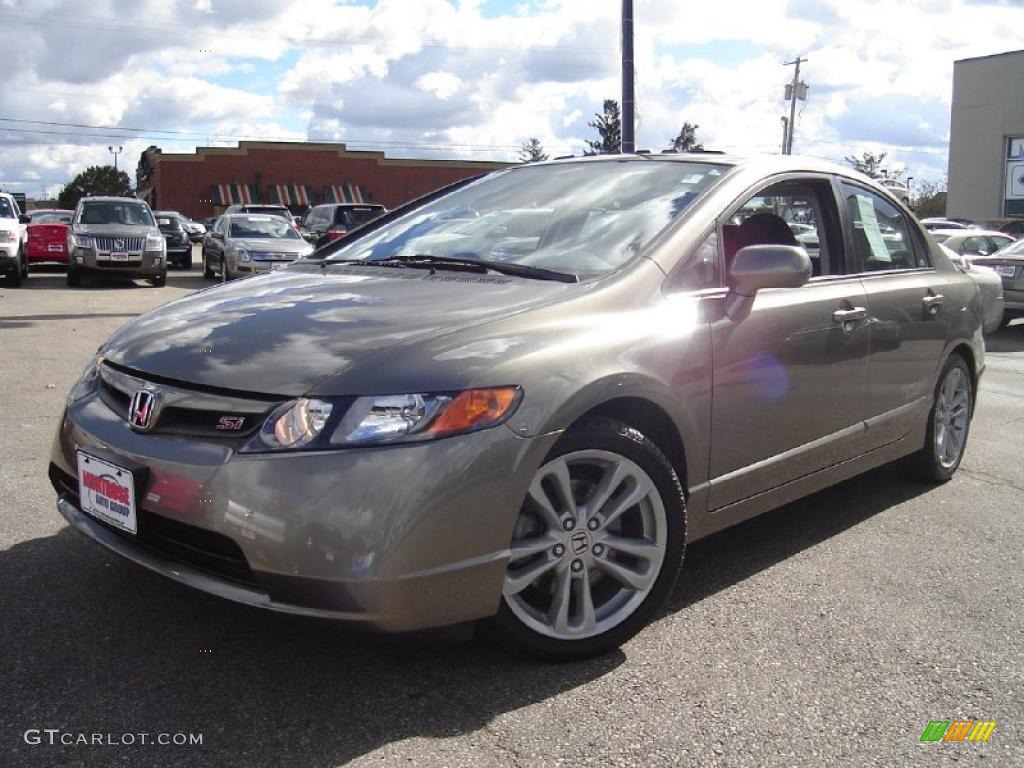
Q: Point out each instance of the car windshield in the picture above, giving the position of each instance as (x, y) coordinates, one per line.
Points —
(262, 227)
(109, 212)
(1015, 248)
(587, 218)
(51, 217)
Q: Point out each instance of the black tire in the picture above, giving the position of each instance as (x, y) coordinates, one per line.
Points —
(208, 273)
(159, 281)
(613, 436)
(74, 278)
(24, 265)
(925, 464)
(14, 277)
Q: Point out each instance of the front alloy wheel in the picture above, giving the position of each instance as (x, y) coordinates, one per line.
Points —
(596, 547)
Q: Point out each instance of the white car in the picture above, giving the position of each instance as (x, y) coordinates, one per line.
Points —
(13, 236)
(972, 243)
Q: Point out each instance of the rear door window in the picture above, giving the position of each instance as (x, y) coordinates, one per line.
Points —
(882, 236)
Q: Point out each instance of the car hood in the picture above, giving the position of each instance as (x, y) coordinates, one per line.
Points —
(282, 333)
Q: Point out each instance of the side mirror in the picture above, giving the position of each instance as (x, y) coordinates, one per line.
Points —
(23, 219)
(757, 267)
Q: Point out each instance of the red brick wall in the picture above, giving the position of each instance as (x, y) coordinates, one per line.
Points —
(183, 182)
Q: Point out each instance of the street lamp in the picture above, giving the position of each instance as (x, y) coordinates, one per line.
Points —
(115, 154)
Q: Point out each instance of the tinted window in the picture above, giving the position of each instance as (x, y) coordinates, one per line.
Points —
(594, 216)
(975, 244)
(168, 223)
(882, 238)
(6, 209)
(354, 217)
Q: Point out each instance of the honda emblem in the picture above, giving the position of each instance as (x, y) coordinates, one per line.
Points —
(142, 410)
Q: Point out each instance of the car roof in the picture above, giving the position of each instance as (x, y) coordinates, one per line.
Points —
(965, 233)
(111, 199)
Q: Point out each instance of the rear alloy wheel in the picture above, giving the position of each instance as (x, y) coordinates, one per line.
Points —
(597, 545)
(948, 424)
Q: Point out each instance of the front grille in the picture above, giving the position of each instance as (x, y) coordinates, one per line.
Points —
(204, 550)
(240, 421)
(267, 256)
(106, 244)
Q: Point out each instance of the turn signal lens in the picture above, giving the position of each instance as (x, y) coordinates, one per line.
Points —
(475, 409)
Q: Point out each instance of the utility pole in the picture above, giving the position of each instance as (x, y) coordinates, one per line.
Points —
(115, 154)
(794, 90)
(785, 133)
(628, 100)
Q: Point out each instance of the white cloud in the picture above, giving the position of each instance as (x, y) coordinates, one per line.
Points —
(445, 75)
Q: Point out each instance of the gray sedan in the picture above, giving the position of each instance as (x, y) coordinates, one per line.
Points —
(245, 243)
(403, 433)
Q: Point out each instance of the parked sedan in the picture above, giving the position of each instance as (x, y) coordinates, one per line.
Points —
(244, 244)
(530, 441)
(989, 283)
(48, 231)
(176, 236)
(1009, 265)
(972, 243)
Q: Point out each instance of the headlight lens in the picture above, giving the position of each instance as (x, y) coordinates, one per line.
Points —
(241, 254)
(7, 236)
(86, 383)
(306, 422)
(154, 242)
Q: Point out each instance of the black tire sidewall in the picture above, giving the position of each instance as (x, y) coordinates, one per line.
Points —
(613, 436)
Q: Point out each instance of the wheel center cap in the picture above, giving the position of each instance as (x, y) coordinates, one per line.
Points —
(579, 543)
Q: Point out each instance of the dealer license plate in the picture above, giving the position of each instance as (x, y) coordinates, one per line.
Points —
(1006, 270)
(117, 256)
(107, 492)
(55, 247)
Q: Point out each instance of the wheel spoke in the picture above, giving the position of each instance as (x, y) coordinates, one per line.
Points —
(623, 574)
(563, 487)
(585, 601)
(539, 497)
(639, 492)
(610, 482)
(640, 548)
(518, 580)
(558, 613)
(526, 547)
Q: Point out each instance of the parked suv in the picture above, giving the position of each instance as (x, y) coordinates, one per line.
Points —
(334, 220)
(13, 262)
(117, 237)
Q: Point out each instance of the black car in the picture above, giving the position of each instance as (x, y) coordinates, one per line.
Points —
(334, 220)
(179, 245)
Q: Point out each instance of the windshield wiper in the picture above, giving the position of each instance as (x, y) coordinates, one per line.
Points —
(501, 267)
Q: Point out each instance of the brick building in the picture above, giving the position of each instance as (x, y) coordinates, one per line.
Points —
(296, 174)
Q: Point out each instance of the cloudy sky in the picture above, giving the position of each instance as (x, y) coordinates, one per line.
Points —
(475, 78)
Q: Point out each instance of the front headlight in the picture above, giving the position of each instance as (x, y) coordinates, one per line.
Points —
(6, 236)
(82, 241)
(317, 424)
(241, 254)
(86, 383)
(154, 242)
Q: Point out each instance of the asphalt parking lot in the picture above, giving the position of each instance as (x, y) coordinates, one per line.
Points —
(829, 632)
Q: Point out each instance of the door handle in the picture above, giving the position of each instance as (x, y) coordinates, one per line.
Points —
(849, 315)
(932, 302)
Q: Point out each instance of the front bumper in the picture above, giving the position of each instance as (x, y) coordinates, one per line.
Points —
(259, 267)
(398, 538)
(146, 264)
(8, 259)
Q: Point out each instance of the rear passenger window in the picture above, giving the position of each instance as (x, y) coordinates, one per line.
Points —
(882, 238)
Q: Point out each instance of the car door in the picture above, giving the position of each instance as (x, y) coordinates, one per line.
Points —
(215, 243)
(790, 378)
(908, 319)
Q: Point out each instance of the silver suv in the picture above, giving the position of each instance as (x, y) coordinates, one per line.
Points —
(117, 237)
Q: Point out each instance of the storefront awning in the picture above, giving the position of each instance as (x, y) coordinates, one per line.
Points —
(235, 194)
(345, 193)
(290, 194)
